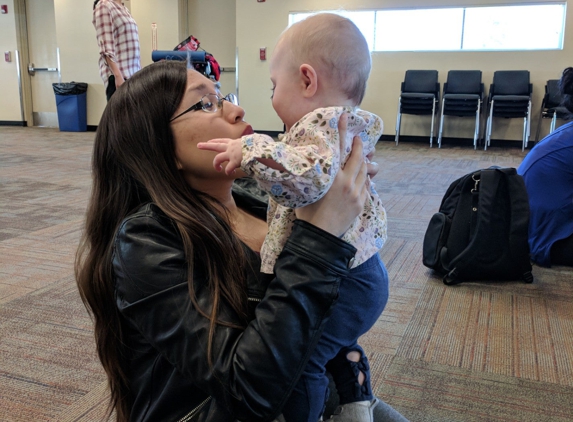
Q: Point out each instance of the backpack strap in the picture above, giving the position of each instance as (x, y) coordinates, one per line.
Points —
(519, 239)
(451, 278)
(464, 257)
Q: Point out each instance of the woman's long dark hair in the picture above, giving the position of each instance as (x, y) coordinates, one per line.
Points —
(134, 163)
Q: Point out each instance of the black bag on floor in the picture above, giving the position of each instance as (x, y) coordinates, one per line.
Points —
(481, 230)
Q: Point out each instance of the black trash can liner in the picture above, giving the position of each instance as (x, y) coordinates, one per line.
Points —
(70, 88)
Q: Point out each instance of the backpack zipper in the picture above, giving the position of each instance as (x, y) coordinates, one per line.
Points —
(253, 299)
(194, 412)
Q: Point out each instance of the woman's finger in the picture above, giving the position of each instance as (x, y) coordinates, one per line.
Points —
(372, 169)
(342, 126)
(355, 162)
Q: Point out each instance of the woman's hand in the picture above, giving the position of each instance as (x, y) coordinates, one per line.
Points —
(345, 199)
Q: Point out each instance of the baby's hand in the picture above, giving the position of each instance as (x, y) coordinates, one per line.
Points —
(230, 150)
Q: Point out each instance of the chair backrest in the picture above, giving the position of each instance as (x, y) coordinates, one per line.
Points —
(463, 82)
(511, 82)
(553, 92)
(420, 81)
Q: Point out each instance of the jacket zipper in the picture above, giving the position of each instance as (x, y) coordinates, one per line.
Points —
(195, 411)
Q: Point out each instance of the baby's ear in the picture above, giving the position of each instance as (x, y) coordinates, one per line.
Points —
(309, 79)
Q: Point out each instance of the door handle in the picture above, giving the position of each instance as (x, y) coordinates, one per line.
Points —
(32, 70)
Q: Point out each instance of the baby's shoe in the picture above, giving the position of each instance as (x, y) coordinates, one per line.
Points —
(360, 411)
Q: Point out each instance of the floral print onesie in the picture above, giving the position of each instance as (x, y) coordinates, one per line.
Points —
(310, 153)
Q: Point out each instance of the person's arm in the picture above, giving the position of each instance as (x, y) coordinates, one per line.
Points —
(254, 369)
(104, 33)
(230, 151)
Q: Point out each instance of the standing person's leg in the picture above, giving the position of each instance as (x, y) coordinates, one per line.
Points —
(110, 89)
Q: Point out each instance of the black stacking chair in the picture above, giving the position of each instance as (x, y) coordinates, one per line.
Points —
(463, 96)
(419, 95)
(509, 97)
(551, 107)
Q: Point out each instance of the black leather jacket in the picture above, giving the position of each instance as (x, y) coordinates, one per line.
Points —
(165, 338)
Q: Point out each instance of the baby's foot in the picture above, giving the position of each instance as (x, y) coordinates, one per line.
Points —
(360, 411)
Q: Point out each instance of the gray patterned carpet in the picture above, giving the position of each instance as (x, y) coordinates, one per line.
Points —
(474, 352)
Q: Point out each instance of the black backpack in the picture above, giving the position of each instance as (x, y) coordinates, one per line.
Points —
(481, 230)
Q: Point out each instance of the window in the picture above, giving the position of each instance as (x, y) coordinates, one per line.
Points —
(536, 27)
(516, 27)
(418, 30)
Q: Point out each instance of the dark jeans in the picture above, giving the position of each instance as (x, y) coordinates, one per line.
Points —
(362, 297)
(110, 87)
(562, 252)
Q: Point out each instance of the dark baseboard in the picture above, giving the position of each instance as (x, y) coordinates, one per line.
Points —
(92, 128)
(13, 123)
(457, 141)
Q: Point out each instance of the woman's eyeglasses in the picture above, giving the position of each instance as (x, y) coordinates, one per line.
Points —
(210, 103)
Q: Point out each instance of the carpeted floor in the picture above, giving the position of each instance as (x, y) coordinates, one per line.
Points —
(473, 352)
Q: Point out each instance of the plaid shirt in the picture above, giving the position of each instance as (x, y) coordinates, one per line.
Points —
(117, 37)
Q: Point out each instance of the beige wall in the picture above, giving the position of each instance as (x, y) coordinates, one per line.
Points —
(259, 24)
(213, 24)
(79, 52)
(222, 25)
(9, 97)
(165, 14)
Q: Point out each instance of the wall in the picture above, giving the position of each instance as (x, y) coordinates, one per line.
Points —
(222, 25)
(79, 52)
(165, 14)
(260, 24)
(213, 24)
(10, 97)
(78, 48)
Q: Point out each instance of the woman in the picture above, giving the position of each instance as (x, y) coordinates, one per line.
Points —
(548, 174)
(118, 40)
(185, 327)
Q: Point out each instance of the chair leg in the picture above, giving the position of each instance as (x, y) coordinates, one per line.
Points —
(476, 130)
(539, 120)
(441, 125)
(432, 125)
(482, 122)
(398, 120)
(553, 122)
(489, 124)
(528, 127)
(524, 133)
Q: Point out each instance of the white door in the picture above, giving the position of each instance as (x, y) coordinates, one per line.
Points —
(42, 47)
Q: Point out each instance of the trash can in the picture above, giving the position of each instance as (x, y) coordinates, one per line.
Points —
(71, 104)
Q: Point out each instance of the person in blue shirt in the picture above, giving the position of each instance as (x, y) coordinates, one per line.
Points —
(548, 174)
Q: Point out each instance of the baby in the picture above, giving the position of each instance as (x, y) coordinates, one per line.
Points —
(319, 71)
